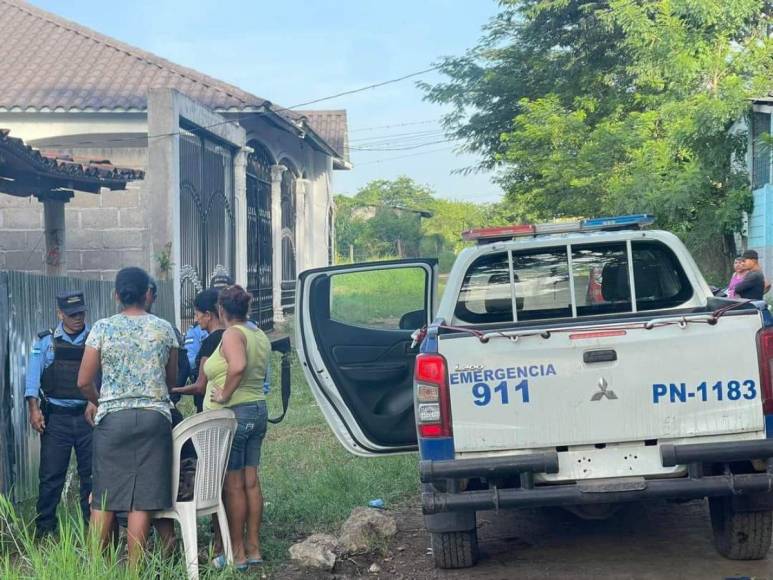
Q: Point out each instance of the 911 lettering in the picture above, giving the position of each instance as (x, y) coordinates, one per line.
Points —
(484, 395)
(733, 390)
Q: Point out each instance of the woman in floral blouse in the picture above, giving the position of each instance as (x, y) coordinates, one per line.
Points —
(137, 355)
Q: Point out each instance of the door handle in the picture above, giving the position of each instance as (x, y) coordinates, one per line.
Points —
(597, 356)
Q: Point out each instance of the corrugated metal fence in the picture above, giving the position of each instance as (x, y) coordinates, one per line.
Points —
(27, 306)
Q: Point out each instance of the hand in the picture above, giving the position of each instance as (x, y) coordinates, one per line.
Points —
(90, 413)
(219, 397)
(37, 421)
(188, 390)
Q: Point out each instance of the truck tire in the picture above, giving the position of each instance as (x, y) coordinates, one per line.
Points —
(455, 549)
(740, 535)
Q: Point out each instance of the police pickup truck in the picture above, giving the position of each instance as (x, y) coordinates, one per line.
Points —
(580, 365)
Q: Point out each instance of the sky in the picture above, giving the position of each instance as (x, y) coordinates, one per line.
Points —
(294, 51)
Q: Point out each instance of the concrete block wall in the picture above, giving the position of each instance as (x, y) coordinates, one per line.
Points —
(104, 232)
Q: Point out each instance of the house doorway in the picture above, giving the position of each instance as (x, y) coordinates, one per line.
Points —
(259, 244)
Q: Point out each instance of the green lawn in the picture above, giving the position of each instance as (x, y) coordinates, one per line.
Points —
(310, 485)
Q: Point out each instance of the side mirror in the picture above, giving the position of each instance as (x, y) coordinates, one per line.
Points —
(413, 320)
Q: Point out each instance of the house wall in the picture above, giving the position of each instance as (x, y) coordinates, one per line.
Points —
(103, 233)
(116, 229)
(760, 235)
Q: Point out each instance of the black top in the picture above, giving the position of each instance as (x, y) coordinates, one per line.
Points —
(209, 346)
(752, 286)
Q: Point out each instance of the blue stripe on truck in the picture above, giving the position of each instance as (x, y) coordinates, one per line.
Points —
(769, 426)
(436, 448)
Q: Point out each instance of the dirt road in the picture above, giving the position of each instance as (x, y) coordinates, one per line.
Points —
(654, 541)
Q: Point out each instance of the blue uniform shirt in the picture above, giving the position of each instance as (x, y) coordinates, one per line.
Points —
(192, 343)
(41, 358)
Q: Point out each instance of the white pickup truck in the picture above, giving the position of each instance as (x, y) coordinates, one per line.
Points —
(580, 365)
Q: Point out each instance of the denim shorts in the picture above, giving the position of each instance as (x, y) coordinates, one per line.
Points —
(252, 421)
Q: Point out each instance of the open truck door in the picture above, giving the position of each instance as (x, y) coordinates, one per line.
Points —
(353, 330)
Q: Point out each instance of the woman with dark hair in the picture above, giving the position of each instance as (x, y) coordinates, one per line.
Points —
(235, 374)
(206, 315)
(136, 353)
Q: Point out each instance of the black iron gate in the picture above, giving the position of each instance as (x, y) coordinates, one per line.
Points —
(206, 215)
(259, 245)
(288, 240)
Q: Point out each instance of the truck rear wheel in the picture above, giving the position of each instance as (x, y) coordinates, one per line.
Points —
(455, 549)
(740, 535)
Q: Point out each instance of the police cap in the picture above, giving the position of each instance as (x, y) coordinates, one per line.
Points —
(71, 302)
(220, 281)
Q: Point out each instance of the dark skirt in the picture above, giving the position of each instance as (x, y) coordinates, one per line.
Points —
(132, 465)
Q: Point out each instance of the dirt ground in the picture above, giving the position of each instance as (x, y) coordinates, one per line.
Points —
(652, 541)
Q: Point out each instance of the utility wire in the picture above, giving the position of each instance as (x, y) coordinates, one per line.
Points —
(271, 109)
(359, 129)
(405, 156)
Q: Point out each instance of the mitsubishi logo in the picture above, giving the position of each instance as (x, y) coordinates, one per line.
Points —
(604, 391)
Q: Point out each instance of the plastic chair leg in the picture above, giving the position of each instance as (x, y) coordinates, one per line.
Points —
(190, 541)
(225, 534)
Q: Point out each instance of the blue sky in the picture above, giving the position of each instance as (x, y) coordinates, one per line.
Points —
(295, 51)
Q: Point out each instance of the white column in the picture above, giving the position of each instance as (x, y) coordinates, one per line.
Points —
(276, 235)
(240, 214)
(304, 229)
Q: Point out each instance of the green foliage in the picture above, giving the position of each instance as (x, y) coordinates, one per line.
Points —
(591, 108)
(382, 231)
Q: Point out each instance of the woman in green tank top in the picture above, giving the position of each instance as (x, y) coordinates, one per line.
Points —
(235, 375)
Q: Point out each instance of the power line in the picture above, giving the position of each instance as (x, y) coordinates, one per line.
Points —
(239, 117)
(404, 156)
(373, 86)
(404, 148)
(359, 129)
(393, 136)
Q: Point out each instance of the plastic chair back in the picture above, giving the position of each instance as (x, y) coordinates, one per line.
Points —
(211, 433)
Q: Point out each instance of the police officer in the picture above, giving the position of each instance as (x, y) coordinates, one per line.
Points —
(56, 408)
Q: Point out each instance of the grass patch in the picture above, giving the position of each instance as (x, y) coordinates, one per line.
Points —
(310, 484)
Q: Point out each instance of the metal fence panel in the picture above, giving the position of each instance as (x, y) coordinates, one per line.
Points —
(27, 306)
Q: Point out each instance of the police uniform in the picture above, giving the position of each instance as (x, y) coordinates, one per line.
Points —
(52, 375)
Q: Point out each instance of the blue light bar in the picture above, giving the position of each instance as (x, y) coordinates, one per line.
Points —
(621, 221)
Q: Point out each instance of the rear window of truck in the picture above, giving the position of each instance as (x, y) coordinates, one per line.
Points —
(565, 282)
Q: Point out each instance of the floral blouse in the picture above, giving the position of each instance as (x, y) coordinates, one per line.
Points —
(134, 351)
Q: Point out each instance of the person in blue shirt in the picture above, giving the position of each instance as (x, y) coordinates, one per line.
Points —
(57, 409)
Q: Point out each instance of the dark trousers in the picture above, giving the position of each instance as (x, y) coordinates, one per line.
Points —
(63, 433)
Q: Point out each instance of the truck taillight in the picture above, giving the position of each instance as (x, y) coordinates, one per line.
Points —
(765, 355)
(433, 403)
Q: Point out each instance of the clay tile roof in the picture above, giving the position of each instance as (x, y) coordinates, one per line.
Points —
(332, 126)
(49, 63)
(83, 174)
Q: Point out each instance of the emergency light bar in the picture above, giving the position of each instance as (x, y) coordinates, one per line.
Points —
(488, 235)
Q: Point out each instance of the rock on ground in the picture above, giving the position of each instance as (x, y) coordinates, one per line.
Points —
(317, 551)
(364, 527)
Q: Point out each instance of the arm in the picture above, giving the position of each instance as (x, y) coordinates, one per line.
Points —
(197, 388)
(35, 367)
(90, 367)
(171, 369)
(234, 350)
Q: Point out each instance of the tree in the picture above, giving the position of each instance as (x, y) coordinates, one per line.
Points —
(588, 108)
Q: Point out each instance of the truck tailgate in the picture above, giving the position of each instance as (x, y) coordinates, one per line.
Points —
(599, 386)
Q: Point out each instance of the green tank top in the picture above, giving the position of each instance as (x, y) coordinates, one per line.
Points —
(251, 387)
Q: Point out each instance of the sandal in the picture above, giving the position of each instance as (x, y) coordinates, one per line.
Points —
(219, 563)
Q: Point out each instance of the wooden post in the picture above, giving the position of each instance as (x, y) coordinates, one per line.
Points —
(351, 253)
(53, 216)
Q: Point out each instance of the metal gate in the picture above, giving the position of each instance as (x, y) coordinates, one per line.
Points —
(259, 246)
(288, 240)
(206, 215)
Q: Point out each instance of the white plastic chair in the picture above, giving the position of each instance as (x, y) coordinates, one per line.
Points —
(211, 434)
